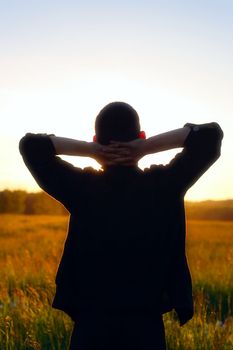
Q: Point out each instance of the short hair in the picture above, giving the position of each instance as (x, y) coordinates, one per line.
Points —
(117, 121)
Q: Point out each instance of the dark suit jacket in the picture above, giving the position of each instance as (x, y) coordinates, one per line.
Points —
(125, 246)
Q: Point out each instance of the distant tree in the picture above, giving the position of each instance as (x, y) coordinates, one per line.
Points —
(12, 201)
(22, 202)
(30, 204)
(42, 203)
(210, 210)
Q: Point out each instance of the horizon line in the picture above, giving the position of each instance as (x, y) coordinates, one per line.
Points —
(186, 200)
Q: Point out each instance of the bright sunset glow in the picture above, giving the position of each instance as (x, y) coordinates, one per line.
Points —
(62, 62)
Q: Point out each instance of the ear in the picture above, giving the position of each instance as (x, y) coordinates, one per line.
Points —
(94, 138)
(142, 135)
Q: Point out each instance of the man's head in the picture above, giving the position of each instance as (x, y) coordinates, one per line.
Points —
(117, 121)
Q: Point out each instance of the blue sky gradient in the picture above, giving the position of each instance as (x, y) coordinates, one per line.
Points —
(60, 62)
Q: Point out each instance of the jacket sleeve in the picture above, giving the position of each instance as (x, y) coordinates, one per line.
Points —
(54, 175)
(202, 148)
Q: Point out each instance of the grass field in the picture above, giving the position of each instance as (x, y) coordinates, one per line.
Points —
(30, 250)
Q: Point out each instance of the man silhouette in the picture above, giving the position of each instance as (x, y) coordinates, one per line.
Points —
(124, 261)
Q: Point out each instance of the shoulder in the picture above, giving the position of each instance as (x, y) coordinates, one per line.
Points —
(203, 135)
(157, 173)
(91, 171)
(155, 169)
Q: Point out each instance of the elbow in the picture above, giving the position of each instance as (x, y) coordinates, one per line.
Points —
(25, 143)
(216, 136)
(36, 146)
(217, 153)
(216, 131)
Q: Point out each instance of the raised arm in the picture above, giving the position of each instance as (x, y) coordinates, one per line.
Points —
(163, 142)
(71, 147)
(131, 152)
(201, 148)
(66, 146)
(117, 153)
(54, 175)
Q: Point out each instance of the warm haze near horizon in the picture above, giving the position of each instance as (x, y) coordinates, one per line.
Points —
(61, 62)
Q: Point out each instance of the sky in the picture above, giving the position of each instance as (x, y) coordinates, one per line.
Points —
(62, 61)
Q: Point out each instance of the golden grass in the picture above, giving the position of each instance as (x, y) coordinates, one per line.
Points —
(30, 250)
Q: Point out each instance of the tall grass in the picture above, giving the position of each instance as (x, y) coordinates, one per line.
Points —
(30, 250)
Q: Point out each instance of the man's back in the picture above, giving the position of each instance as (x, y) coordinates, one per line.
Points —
(126, 241)
(120, 237)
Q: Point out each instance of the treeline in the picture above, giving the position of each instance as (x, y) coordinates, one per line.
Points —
(22, 202)
(210, 210)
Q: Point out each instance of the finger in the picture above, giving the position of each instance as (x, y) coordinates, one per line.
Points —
(122, 151)
(110, 157)
(113, 146)
(117, 153)
(121, 148)
(118, 143)
(115, 150)
(108, 152)
(118, 149)
(107, 149)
